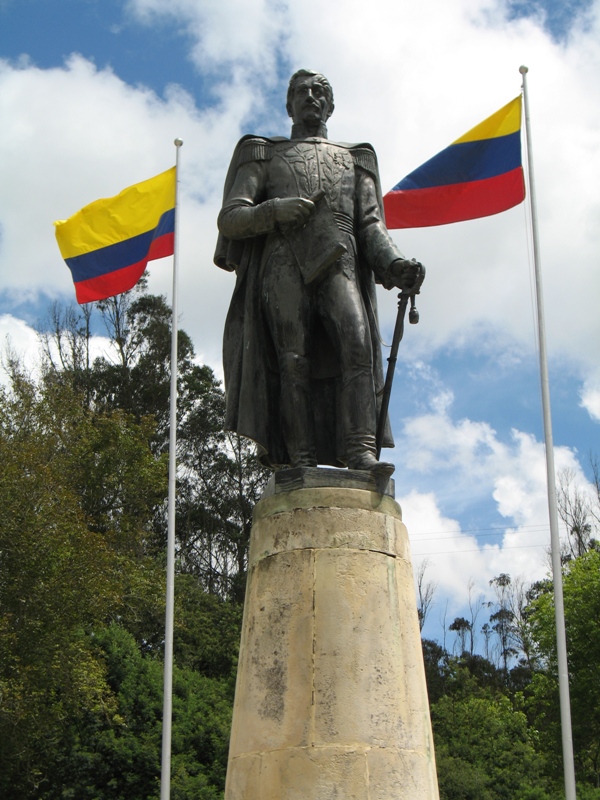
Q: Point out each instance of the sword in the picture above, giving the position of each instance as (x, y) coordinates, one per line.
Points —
(413, 317)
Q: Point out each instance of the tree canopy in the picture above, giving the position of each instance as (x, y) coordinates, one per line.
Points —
(83, 483)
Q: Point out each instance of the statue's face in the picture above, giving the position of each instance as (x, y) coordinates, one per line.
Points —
(309, 101)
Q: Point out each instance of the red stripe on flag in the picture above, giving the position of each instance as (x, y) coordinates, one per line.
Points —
(162, 247)
(121, 280)
(440, 205)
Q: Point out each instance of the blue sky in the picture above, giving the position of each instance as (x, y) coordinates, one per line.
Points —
(102, 31)
(93, 92)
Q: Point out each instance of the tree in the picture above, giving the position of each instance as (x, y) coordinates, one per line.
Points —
(476, 604)
(576, 510)
(117, 754)
(65, 337)
(435, 659)
(497, 729)
(219, 477)
(82, 504)
(486, 629)
(425, 593)
(581, 588)
(485, 751)
(503, 619)
(77, 493)
(220, 482)
(83, 480)
(461, 627)
(207, 631)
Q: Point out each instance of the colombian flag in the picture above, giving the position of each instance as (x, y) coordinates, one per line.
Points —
(478, 175)
(108, 243)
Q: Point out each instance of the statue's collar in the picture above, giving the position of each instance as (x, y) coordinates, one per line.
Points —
(299, 132)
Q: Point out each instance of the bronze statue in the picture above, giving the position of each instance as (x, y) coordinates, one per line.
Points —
(302, 225)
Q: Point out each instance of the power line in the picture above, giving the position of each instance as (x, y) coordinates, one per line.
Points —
(478, 550)
(431, 538)
(495, 530)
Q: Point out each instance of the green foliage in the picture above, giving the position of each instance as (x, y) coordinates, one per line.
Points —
(587, 792)
(486, 718)
(484, 749)
(581, 589)
(485, 746)
(220, 482)
(435, 659)
(219, 477)
(207, 630)
(82, 572)
(116, 756)
(82, 533)
(75, 493)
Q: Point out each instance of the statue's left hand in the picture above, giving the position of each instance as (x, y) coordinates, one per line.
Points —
(406, 274)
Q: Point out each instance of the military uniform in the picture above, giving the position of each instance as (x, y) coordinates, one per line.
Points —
(322, 353)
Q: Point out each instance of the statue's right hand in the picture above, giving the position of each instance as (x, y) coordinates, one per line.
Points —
(292, 210)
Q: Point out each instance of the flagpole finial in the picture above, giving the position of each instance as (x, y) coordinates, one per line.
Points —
(523, 70)
(178, 142)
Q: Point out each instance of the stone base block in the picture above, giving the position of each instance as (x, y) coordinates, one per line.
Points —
(324, 773)
(330, 699)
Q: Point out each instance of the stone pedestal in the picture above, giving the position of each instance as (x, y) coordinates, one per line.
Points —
(330, 699)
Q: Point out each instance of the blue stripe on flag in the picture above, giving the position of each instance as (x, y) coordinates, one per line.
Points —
(465, 162)
(121, 254)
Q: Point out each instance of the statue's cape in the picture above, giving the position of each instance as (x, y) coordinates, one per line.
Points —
(252, 385)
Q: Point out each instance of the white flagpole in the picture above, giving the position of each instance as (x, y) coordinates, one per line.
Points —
(165, 775)
(559, 608)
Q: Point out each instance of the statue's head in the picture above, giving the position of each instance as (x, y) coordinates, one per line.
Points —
(309, 97)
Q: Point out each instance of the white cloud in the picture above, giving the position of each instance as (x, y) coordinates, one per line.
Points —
(384, 64)
(229, 40)
(468, 464)
(453, 556)
(590, 398)
(87, 134)
(427, 72)
(410, 78)
(21, 342)
(77, 133)
(17, 340)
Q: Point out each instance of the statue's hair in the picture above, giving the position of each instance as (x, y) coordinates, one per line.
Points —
(305, 73)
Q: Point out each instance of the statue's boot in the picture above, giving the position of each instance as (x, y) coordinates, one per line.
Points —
(360, 420)
(367, 460)
(296, 410)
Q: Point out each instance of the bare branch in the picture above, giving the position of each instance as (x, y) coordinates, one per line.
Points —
(425, 591)
(574, 509)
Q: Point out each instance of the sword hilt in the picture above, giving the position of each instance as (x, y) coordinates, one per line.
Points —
(413, 314)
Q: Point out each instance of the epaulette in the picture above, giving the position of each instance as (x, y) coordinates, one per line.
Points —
(255, 150)
(365, 157)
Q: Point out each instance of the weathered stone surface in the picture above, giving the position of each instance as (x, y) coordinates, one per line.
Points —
(401, 774)
(360, 687)
(326, 497)
(243, 777)
(331, 699)
(349, 528)
(314, 774)
(274, 688)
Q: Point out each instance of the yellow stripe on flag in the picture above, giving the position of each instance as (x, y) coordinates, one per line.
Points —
(505, 121)
(133, 211)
